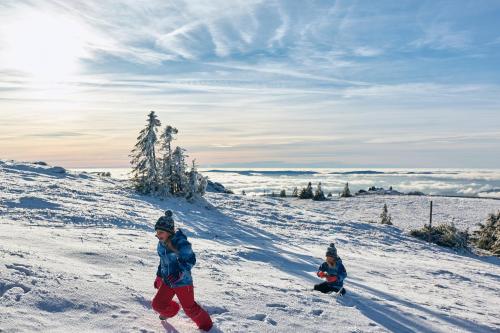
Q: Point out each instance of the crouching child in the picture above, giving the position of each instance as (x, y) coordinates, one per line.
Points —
(333, 271)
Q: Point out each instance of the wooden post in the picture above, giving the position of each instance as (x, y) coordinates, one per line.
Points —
(430, 224)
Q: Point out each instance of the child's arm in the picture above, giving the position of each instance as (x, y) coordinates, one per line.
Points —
(322, 271)
(342, 274)
(185, 255)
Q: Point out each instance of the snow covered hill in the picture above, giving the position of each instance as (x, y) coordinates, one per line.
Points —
(77, 253)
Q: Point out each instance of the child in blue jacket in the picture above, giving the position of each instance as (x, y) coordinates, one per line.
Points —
(333, 271)
(173, 277)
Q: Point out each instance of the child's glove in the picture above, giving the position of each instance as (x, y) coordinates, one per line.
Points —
(322, 274)
(331, 278)
(158, 282)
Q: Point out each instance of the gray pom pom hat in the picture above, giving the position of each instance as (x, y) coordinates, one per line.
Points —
(166, 222)
(332, 251)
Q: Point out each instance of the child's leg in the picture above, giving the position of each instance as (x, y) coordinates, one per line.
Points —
(163, 303)
(325, 288)
(192, 309)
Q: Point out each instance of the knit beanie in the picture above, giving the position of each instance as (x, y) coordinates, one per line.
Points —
(331, 251)
(166, 222)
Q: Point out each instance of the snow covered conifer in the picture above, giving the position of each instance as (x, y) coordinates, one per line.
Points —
(295, 192)
(307, 192)
(283, 193)
(202, 184)
(385, 216)
(179, 176)
(346, 193)
(144, 164)
(193, 188)
(488, 235)
(318, 194)
(165, 163)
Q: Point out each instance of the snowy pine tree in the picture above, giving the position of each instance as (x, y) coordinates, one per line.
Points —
(144, 163)
(283, 193)
(193, 187)
(202, 184)
(179, 176)
(166, 174)
(318, 194)
(165, 162)
(307, 192)
(346, 193)
(385, 216)
(488, 235)
(295, 192)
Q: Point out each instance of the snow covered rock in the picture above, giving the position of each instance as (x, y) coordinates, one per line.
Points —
(216, 187)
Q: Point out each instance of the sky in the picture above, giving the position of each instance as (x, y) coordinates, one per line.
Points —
(253, 83)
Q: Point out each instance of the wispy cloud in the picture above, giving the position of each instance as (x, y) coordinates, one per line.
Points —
(442, 139)
(56, 134)
(443, 36)
(367, 51)
(245, 78)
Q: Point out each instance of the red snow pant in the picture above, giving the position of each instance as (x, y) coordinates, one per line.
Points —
(165, 306)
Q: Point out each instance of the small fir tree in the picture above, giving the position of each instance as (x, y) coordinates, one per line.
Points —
(307, 192)
(179, 176)
(346, 193)
(318, 194)
(488, 235)
(193, 183)
(385, 217)
(166, 162)
(203, 183)
(144, 164)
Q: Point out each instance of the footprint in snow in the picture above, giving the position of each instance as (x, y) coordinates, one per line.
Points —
(20, 268)
(215, 310)
(264, 318)
(258, 316)
(275, 305)
(13, 290)
(316, 312)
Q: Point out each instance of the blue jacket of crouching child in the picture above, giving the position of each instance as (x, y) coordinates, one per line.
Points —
(175, 266)
(338, 270)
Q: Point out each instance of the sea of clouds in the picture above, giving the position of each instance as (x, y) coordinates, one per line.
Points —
(462, 182)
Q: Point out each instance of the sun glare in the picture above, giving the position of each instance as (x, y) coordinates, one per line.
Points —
(46, 47)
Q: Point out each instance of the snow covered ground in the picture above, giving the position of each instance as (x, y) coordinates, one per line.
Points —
(77, 253)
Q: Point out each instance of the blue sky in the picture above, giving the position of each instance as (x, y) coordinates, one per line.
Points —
(254, 83)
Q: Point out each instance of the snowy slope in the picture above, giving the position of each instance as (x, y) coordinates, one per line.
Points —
(411, 212)
(77, 253)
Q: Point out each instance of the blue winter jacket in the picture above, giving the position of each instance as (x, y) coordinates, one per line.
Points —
(176, 264)
(338, 270)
